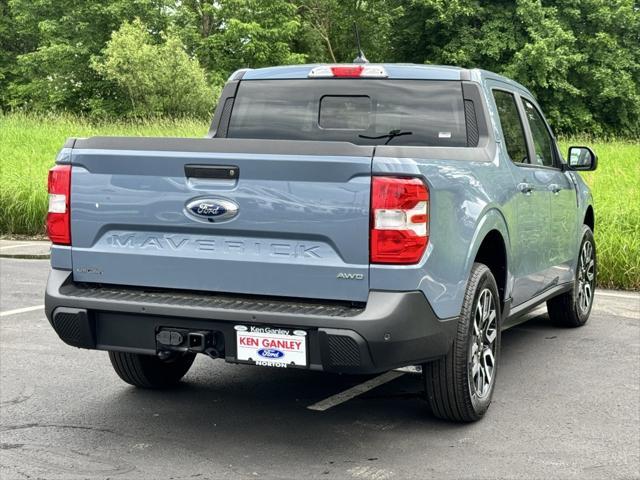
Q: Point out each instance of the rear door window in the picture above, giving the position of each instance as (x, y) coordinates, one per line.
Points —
(542, 140)
(512, 130)
(412, 112)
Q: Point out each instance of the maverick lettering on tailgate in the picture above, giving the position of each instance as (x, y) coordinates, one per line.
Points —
(218, 245)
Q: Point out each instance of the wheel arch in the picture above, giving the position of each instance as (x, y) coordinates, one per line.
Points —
(589, 218)
(491, 246)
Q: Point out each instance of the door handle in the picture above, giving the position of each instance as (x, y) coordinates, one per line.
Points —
(217, 172)
(555, 188)
(525, 188)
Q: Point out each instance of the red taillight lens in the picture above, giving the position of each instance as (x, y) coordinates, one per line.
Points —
(59, 215)
(399, 220)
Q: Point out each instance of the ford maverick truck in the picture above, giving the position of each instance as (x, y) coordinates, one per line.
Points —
(351, 218)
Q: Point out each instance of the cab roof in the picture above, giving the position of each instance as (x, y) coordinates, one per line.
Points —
(394, 70)
(400, 71)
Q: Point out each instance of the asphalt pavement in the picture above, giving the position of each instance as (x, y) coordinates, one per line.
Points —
(566, 405)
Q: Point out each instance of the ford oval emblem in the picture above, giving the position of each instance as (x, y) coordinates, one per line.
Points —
(211, 209)
(270, 353)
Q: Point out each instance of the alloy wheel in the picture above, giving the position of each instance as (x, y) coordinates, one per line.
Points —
(586, 277)
(482, 348)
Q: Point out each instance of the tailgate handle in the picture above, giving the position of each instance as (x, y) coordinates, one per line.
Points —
(218, 172)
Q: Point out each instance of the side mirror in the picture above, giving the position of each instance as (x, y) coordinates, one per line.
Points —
(582, 159)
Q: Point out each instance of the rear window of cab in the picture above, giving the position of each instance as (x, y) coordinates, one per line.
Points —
(360, 111)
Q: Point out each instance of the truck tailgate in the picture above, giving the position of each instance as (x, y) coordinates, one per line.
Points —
(301, 228)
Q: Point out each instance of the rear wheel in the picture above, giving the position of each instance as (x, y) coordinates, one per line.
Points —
(149, 371)
(572, 309)
(459, 387)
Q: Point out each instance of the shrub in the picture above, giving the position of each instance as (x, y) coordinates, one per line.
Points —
(156, 78)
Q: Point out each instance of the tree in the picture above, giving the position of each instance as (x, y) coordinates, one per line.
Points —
(607, 35)
(331, 23)
(11, 43)
(159, 78)
(237, 34)
(55, 42)
(581, 59)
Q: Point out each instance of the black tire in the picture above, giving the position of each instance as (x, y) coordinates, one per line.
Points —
(570, 309)
(149, 371)
(450, 385)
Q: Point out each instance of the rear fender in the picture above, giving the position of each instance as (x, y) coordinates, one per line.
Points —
(492, 219)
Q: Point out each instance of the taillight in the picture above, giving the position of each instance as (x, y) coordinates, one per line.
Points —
(59, 215)
(399, 220)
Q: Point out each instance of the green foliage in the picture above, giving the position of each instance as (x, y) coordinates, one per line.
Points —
(616, 198)
(53, 42)
(329, 33)
(253, 33)
(580, 58)
(157, 78)
(8, 50)
(28, 149)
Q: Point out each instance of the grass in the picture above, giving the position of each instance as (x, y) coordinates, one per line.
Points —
(28, 146)
(616, 194)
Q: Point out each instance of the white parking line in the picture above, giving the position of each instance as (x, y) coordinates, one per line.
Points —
(353, 392)
(21, 310)
(16, 246)
(617, 295)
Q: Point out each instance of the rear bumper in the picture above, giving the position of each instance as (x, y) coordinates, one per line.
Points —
(393, 329)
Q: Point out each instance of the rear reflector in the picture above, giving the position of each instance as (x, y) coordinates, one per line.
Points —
(59, 215)
(348, 71)
(399, 220)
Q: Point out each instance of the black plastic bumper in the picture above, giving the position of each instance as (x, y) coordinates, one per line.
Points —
(393, 329)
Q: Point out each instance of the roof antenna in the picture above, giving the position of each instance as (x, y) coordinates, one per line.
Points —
(360, 58)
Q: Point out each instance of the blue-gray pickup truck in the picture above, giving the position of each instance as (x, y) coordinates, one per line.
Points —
(351, 218)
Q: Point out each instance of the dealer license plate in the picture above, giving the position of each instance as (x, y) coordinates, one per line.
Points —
(271, 346)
